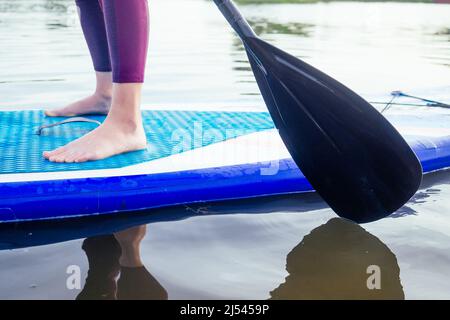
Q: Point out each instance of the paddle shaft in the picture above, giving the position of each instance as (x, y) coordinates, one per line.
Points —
(234, 17)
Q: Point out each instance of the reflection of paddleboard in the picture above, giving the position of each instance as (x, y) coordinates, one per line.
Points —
(191, 157)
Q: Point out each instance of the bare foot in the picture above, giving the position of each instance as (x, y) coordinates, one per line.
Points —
(94, 104)
(98, 103)
(113, 137)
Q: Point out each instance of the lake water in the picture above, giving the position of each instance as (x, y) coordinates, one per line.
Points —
(283, 247)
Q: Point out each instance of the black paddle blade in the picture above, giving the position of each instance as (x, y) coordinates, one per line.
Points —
(351, 155)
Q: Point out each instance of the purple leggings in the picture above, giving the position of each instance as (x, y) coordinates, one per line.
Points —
(116, 32)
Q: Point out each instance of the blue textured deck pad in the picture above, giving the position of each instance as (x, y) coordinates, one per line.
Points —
(167, 132)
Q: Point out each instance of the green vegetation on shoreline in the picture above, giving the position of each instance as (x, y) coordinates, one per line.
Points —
(315, 1)
(274, 1)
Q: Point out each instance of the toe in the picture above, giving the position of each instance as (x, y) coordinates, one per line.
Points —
(53, 113)
(49, 113)
(87, 156)
(72, 156)
(58, 158)
(81, 158)
(49, 154)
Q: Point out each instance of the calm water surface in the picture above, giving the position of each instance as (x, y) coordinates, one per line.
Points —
(283, 247)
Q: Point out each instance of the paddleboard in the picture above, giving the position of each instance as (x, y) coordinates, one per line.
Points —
(191, 157)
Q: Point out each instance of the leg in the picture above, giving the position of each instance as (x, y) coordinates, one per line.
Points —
(130, 242)
(122, 131)
(94, 30)
(103, 254)
(135, 282)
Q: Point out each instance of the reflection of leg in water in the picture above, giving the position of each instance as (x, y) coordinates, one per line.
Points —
(135, 282)
(119, 253)
(103, 253)
(332, 263)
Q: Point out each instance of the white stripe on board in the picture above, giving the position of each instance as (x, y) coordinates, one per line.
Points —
(261, 146)
(256, 147)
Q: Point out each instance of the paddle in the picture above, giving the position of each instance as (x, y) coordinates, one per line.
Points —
(348, 151)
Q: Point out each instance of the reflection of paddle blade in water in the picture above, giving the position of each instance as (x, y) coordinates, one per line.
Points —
(331, 263)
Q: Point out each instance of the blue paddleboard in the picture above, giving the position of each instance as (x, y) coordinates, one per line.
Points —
(191, 157)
